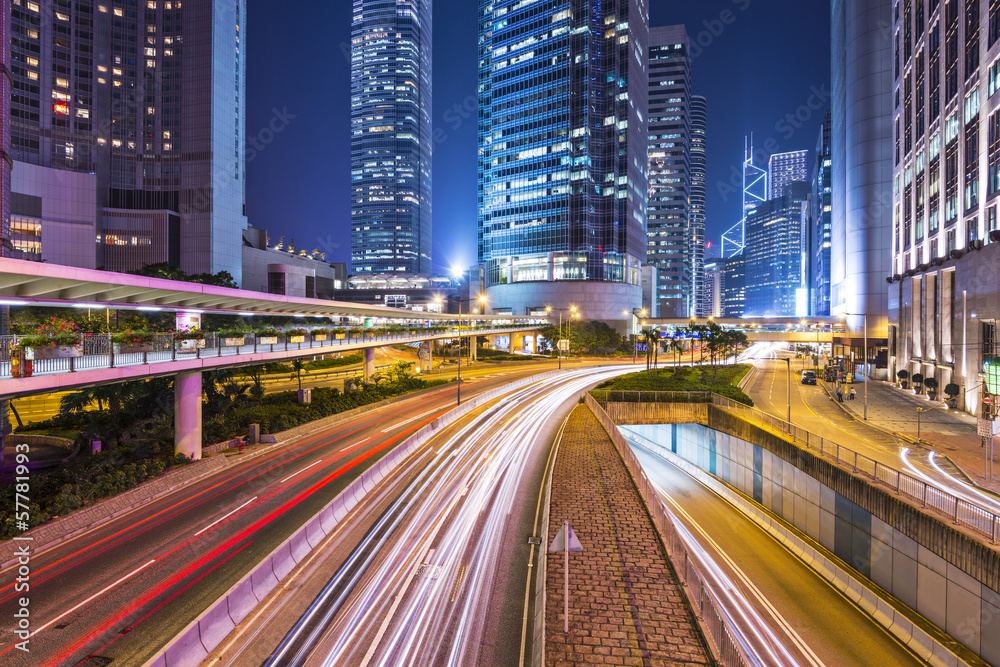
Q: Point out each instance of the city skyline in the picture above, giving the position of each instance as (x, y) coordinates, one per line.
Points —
(783, 117)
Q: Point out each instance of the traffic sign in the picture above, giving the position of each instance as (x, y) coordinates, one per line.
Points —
(563, 345)
(559, 544)
(987, 428)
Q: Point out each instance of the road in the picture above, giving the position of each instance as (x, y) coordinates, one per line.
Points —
(791, 615)
(122, 590)
(443, 576)
(813, 410)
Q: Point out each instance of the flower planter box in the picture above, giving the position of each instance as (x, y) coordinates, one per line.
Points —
(133, 349)
(267, 340)
(189, 345)
(296, 339)
(319, 338)
(54, 352)
(341, 336)
(234, 342)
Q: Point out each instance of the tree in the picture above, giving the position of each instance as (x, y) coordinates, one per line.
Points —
(169, 272)
(297, 366)
(400, 371)
(648, 336)
(676, 348)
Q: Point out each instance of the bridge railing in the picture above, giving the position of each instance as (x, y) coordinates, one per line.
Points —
(99, 351)
(963, 512)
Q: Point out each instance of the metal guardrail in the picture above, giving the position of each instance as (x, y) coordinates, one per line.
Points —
(705, 606)
(98, 352)
(959, 510)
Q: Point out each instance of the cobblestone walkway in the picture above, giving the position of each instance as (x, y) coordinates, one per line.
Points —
(626, 607)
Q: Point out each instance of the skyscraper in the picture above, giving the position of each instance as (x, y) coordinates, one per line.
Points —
(784, 168)
(775, 254)
(943, 245)
(699, 150)
(128, 127)
(820, 217)
(562, 155)
(391, 136)
(861, 180)
(671, 245)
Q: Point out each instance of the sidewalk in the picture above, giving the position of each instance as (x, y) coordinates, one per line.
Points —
(949, 432)
(626, 606)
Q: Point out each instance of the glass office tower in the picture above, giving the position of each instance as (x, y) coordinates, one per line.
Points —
(670, 210)
(562, 155)
(391, 136)
(699, 150)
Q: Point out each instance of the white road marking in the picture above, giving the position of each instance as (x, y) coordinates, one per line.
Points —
(225, 517)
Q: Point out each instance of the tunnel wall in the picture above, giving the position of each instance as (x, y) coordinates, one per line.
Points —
(945, 575)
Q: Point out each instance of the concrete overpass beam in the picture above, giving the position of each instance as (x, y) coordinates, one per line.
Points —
(187, 414)
(369, 364)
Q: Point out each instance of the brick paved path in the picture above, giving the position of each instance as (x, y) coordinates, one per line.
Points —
(626, 607)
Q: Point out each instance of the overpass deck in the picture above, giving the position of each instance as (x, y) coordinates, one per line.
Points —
(107, 367)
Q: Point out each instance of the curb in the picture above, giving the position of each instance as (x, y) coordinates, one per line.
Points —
(206, 632)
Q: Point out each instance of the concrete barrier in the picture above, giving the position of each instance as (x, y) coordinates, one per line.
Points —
(189, 652)
(282, 561)
(244, 596)
(263, 579)
(215, 626)
(240, 601)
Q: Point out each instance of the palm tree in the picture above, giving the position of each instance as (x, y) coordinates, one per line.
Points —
(648, 336)
(676, 348)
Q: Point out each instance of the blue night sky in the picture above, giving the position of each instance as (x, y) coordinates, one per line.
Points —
(756, 62)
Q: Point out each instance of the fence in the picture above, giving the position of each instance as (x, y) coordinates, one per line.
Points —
(959, 510)
(704, 605)
(98, 351)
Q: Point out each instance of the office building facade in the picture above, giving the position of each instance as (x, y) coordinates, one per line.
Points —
(562, 155)
(144, 104)
(391, 143)
(785, 168)
(699, 153)
(861, 180)
(944, 289)
(734, 286)
(775, 254)
(669, 222)
(820, 229)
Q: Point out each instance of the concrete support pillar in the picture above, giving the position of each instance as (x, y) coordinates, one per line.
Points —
(473, 349)
(425, 354)
(516, 342)
(369, 364)
(187, 414)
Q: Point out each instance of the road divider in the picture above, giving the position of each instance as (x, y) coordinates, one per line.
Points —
(202, 636)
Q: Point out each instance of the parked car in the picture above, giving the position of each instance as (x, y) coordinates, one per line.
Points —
(808, 377)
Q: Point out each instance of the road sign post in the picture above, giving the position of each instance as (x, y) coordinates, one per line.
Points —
(566, 540)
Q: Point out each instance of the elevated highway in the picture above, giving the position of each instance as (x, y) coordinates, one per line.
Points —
(816, 330)
(97, 362)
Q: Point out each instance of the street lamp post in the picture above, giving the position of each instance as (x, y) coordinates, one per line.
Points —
(866, 374)
(788, 389)
(482, 300)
